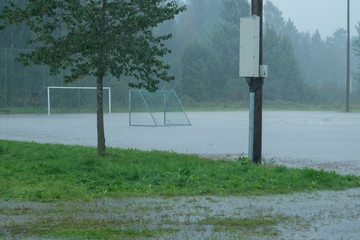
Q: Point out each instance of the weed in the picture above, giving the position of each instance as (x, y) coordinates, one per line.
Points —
(243, 160)
(211, 199)
(260, 226)
(237, 222)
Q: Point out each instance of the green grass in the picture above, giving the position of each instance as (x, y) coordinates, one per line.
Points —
(238, 222)
(71, 228)
(204, 106)
(48, 172)
(270, 106)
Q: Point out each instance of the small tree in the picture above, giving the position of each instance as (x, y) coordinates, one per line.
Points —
(97, 38)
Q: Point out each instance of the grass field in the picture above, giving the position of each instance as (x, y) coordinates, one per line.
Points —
(46, 172)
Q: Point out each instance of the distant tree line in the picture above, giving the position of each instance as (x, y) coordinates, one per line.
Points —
(303, 67)
(25, 87)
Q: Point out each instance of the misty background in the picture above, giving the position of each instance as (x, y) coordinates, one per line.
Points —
(305, 68)
(323, 15)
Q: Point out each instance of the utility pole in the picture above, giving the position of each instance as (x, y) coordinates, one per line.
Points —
(251, 67)
(255, 85)
(348, 59)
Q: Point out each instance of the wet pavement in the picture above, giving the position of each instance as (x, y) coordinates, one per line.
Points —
(328, 140)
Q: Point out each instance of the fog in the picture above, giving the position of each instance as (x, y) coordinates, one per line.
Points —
(306, 67)
(323, 15)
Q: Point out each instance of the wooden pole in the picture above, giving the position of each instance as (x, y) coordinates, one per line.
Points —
(256, 87)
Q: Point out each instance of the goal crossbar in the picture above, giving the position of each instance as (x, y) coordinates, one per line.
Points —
(91, 88)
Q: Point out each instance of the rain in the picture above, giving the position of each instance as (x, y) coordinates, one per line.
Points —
(203, 106)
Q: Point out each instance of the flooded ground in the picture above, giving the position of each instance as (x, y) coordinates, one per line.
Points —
(320, 215)
(328, 140)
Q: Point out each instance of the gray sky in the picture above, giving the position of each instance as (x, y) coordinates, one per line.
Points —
(324, 15)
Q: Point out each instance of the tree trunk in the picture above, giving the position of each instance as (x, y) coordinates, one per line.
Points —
(99, 86)
(100, 117)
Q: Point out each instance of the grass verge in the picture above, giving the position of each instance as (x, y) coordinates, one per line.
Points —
(52, 172)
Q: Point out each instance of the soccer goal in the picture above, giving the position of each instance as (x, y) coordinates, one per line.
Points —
(160, 108)
(75, 99)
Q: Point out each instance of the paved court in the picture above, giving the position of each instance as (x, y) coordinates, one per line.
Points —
(327, 140)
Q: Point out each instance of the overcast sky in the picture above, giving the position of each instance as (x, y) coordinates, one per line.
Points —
(324, 15)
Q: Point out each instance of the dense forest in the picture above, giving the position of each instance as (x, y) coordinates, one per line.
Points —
(304, 68)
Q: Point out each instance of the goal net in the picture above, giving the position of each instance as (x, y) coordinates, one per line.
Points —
(161, 108)
(76, 99)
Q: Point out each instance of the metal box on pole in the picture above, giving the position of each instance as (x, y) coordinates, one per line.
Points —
(249, 46)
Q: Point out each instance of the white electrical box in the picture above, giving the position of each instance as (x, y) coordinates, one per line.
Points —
(263, 71)
(249, 47)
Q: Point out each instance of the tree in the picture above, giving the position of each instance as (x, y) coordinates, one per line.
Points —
(204, 15)
(199, 73)
(97, 38)
(356, 47)
(336, 55)
(273, 17)
(225, 35)
(225, 40)
(285, 81)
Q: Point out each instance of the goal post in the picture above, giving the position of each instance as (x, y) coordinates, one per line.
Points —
(79, 88)
(160, 108)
